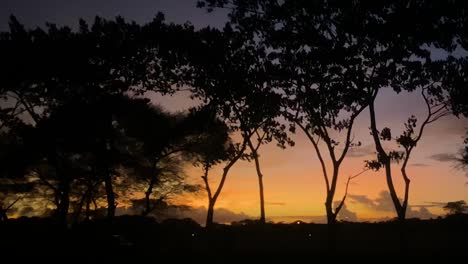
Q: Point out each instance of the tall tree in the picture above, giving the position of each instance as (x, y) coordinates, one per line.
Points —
(47, 68)
(165, 140)
(408, 140)
(229, 72)
(366, 47)
(214, 148)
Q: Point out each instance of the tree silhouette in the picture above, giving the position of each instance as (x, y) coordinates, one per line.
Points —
(408, 140)
(229, 72)
(214, 148)
(358, 47)
(454, 208)
(51, 69)
(164, 141)
(14, 184)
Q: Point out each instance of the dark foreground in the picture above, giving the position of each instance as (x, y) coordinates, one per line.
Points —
(136, 236)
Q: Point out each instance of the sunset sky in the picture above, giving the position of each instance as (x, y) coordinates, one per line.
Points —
(294, 185)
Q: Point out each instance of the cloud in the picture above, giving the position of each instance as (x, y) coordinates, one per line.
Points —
(422, 213)
(363, 151)
(435, 204)
(383, 203)
(444, 157)
(419, 165)
(362, 199)
(276, 203)
(450, 126)
(221, 215)
(345, 213)
(292, 219)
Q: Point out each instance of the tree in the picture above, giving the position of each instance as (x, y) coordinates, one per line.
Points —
(164, 143)
(229, 72)
(48, 68)
(366, 47)
(455, 208)
(214, 148)
(408, 140)
(14, 184)
(316, 67)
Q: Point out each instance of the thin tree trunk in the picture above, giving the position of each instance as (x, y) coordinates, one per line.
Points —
(387, 164)
(88, 206)
(148, 208)
(80, 207)
(396, 202)
(64, 202)
(407, 187)
(212, 201)
(110, 196)
(260, 181)
(331, 216)
(262, 199)
(210, 214)
(3, 214)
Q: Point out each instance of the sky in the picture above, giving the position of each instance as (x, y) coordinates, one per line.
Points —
(294, 185)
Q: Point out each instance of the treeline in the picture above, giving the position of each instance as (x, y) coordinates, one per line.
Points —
(77, 131)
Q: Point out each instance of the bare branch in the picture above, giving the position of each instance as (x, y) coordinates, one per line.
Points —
(319, 154)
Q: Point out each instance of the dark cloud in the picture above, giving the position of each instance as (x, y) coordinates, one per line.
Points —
(444, 157)
(198, 214)
(363, 151)
(384, 203)
(436, 204)
(346, 214)
(450, 126)
(422, 213)
(419, 165)
(362, 199)
(292, 219)
(424, 205)
(221, 215)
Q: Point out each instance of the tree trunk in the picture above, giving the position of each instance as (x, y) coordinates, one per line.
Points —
(387, 164)
(149, 191)
(210, 214)
(212, 199)
(110, 196)
(79, 207)
(407, 187)
(396, 202)
(3, 214)
(153, 179)
(262, 199)
(260, 179)
(64, 202)
(331, 216)
(88, 206)
(260, 186)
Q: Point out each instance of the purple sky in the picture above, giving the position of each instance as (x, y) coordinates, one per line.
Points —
(66, 12)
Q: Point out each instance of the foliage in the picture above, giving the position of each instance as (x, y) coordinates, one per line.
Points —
(457, 207)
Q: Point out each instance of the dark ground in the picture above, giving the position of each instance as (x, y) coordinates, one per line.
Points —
(137, 236)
